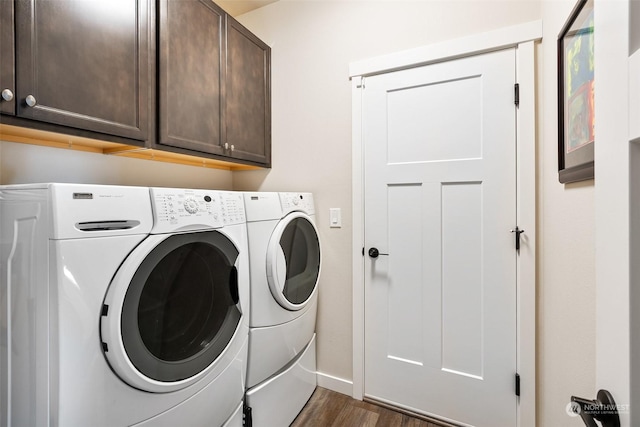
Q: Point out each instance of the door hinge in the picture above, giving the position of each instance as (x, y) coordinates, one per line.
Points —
(361, 85)
(517, 384)
(516, 98)
(247, 419)
(363, 251)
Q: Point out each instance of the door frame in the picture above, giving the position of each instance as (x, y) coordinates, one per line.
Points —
(522, 37)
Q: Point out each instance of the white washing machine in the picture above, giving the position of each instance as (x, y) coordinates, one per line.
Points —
(284, 258)
(122, 306)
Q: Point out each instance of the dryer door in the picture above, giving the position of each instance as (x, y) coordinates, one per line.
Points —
(293, 261)
(171, 310)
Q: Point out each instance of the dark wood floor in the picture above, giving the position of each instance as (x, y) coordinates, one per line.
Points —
(327, 408)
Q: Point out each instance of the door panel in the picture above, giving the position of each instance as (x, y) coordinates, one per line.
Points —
(404, 308)
(409, 112)
(248, 95)
(440, 200)
(462, 288)
(101, 81)
(191, 75)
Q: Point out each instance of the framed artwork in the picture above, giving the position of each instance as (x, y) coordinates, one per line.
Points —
(576, 118)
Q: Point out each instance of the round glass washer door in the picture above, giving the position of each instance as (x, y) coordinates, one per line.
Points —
(171, 310)
(293, 261)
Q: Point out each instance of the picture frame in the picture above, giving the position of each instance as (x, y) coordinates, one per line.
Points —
(576, 114)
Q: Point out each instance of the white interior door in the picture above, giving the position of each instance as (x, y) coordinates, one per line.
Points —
(440, 200)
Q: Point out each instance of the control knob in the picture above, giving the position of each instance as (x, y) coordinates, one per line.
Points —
(190, 205)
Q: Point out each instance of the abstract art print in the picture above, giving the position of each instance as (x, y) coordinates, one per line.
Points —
(576, 114)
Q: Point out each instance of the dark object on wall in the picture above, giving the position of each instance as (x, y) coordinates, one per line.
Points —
(603, 409)
(576, 118)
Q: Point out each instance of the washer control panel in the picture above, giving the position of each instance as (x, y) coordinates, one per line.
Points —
(297, 202)
(192, 209)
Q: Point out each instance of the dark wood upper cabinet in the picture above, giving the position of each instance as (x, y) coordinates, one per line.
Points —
(214, 83)
(7, 59)
(90, 68)
(247, 95)
(191, 75)
(87, 64)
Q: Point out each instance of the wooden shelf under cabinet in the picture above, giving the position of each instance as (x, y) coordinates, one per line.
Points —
(50, 139)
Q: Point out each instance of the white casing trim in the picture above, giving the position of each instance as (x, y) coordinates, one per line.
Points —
(523, 38)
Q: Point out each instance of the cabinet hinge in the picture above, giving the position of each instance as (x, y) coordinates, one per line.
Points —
(516, 97)
(517, 384)
(361, 85)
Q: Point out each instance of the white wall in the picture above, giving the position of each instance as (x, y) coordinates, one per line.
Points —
(23, 163)
(566, 270)
(612, 159)
(313, 42)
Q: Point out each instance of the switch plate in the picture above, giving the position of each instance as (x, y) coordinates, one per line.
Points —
(335, 217)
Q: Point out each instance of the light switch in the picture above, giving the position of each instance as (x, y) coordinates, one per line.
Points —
(335, 217)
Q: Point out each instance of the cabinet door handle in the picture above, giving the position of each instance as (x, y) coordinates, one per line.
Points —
(7, 95)
(226, 145)
(31, 101)
(232, 147)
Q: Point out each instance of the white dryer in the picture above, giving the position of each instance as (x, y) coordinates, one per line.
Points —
(285, 260)
(122, 306)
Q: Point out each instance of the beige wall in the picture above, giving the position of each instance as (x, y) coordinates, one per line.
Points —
(313, 42)
(22, 163)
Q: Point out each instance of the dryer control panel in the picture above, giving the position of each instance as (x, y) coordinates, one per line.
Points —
(297, 202)
(177, 209)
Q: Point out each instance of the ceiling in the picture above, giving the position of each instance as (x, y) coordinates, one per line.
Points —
(238, 7)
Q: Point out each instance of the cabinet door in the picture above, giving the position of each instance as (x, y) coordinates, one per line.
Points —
(86, 64)
(190, 61)
(7, 63)
(248, 95)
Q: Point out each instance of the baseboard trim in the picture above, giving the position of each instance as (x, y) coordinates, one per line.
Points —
(334, 383)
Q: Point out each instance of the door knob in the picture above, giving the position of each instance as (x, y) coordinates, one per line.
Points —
(7, 95)
(603, 409)
(374, 253)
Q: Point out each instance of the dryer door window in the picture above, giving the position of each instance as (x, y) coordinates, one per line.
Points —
(294, 265)
(181, 309)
